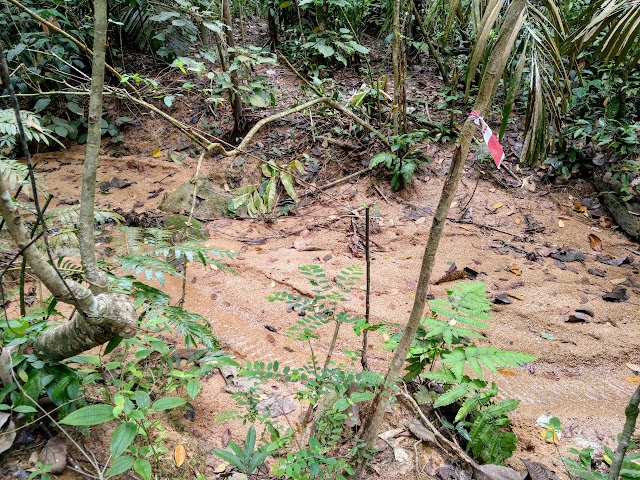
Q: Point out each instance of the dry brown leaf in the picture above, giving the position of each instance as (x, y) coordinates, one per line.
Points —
(506, 372)
(420, 431)
(156, 153)
(179, 454)
(549, 436)
(464, 227)
(595, 242)
(515, 269)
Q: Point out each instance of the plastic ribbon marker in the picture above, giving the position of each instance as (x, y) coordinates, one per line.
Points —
(495, 149)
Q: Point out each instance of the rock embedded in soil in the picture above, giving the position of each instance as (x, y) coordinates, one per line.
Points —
(178, 224)
(211, 201)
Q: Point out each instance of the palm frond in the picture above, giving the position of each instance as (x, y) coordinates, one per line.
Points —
(613, 27)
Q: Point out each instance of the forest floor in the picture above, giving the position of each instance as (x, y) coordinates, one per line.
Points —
(503, 228)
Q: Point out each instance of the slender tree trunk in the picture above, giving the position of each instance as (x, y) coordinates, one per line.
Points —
(512, 23)
(273, 31)
(398, 77)
(234, 96)
(96, 279)
(322, 12)
(631, 412)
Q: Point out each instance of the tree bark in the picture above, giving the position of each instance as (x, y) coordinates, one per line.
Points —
(631, 412)
(96, 279)
(512, 23)
(234, 96)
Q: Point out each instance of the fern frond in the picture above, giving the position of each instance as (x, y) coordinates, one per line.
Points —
(151, 267)
(195, 250)
(477, 356)
(15, 174)
(195, 328)
(449, 332)
(459, 392)
(489, 441)
(33, 129)
(68, 217)
(474, 402)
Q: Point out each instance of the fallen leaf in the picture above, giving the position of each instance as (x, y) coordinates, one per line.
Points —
(400, 454)
(515, 269)
(270, 338)
(517, 297)
(179, 454)
(595, 242)
(548, 336)
(420, 431)
(156, 153)
(571, 255)
(496, 206)
(618, 294)
(549, 435)
(54, 454)
(220, 468)
(633, 367)
(506, 372)
(464, 227)
(560, 223)
(633, 379)
(576, 317)
(502, 299)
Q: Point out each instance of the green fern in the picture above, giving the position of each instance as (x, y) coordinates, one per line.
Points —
(477, 356)
(16, 174)
(490, 441)
(459, 391)
(151, 267)
(33, 130)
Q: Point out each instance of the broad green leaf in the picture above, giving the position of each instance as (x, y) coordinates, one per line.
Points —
(168, 403)
(120, 465)
(193, 388)
(143, 467)
(287, 183)
(90, 415)
(122, 437)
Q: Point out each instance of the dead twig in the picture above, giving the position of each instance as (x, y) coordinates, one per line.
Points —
(427, 423)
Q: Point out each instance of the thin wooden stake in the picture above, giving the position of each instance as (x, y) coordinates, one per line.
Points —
(367, 303)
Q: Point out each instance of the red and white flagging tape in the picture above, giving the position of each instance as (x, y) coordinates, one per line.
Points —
(495, 149)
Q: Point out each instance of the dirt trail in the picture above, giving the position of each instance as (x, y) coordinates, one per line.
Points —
(581, 377)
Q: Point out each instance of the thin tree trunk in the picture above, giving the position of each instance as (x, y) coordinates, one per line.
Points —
(96, 278)
(514, 18)
(631, 412)
(398, 79)
(234, 96)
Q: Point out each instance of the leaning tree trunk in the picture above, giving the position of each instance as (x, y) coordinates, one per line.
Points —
(100, 316)
(514, 18)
